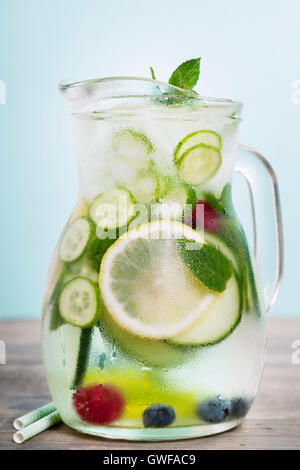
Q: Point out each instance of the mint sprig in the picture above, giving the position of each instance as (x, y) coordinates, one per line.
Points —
(208, 264)
(152, 73)
(185, 76)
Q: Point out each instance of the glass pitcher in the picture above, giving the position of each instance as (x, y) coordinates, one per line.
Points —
(153, 313)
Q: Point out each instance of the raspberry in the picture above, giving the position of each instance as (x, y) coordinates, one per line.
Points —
(211, 218)
(98, 404)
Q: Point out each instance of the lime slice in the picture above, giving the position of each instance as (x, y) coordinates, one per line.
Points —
(133, 147)
(146, 286)
(199, 163)
(219, 320)
(207, 137)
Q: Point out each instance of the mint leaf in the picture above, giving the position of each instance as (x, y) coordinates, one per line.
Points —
(186, 75)
(208, 264)
(213, 202)
(97, 249)
(152, 73)
(227, 200)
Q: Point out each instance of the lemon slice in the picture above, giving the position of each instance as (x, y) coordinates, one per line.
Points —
(146, 286)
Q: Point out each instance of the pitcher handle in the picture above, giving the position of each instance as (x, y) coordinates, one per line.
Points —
(262, 184)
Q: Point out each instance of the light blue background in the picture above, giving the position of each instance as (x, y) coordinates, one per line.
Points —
(250, 51)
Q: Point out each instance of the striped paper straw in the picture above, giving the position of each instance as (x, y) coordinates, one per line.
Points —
(33, 416)
(36, 428)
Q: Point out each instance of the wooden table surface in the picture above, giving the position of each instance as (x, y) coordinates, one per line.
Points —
(272, 423)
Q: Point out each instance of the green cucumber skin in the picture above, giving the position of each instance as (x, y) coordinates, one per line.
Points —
(240, 250)
(55, 319)
(91, 235)
(83, 356)
(251, 275)
(96, 316)
(240, 247)
(193, 346)
(182, 141)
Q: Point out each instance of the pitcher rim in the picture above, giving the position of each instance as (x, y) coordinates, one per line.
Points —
(203, 101)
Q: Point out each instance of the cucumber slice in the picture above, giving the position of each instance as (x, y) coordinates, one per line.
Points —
(79, 302)
(113, 209)
(82, 267)
(199, 163)
(132, 146)
(218, 320)
(207, 137)
(83, 356)
(55, 319)
(75, 240)
(175, 204)
(77, 343)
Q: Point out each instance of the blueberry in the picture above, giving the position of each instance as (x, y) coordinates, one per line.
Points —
(158, 416)
(239, 407)
(214, 410)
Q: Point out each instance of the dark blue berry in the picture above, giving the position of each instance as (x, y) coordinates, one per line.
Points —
(158, 416)
(239, 407)
(214, 410)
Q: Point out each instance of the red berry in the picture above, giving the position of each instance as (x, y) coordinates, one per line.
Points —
(98, 404)
(211, 218)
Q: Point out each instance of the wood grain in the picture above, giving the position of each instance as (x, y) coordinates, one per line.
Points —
(273, 422)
